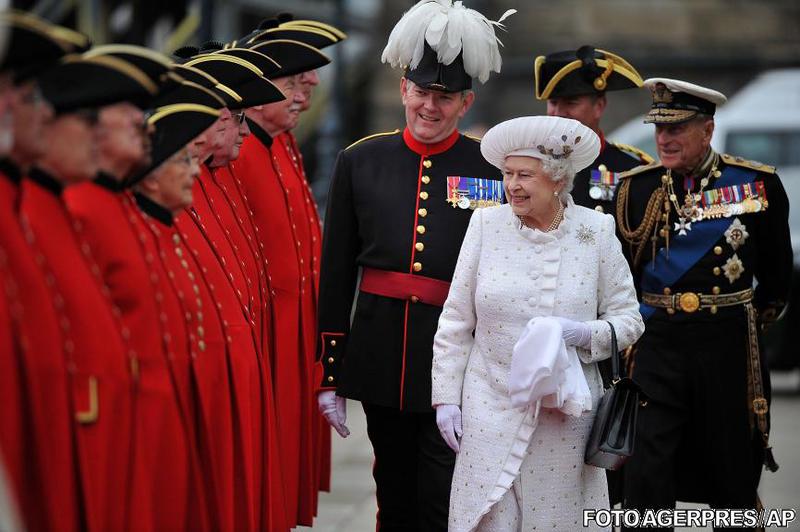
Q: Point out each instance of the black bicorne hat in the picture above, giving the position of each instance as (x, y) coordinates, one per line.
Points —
(431, 74)
(586, 70)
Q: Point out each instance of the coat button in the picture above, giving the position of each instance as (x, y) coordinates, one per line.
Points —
(414, 299)
(715, 290)
(427, 163)
(419, 246)
(330, 379)
(330, 360)
(423, 195)
(426, 179)
(421, 229)
(333, 343)
(717, 250)
(417, 266)
(423, 212)
(534, 275)
(716, 270)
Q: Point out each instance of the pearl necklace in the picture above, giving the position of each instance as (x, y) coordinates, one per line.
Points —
(553, 225)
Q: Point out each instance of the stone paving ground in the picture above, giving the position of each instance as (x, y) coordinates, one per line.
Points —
(350, 507)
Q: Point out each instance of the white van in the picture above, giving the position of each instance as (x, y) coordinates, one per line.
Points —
(760, 122)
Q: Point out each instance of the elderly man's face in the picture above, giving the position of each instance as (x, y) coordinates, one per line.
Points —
(123, 137)
(223, 137)
(175, 179)
(682, 146)
(308, 80)
(283, 116)
(72, 152)
(529, 189)
(30, 113)
(587, 109)
(431, 115)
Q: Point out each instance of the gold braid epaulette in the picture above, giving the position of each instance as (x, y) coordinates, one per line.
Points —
(638, 237)
(368, 137)
(642, 155)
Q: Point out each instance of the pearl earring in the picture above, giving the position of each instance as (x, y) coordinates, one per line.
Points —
(555, 193)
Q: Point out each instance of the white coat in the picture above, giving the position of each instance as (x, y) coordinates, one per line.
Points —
(506, 274)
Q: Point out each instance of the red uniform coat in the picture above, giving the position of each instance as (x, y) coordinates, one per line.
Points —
(210, 247)
(163, 497)
(102, 371)
(296, 405)
(36, 433)
(220, 213)
(202, 377)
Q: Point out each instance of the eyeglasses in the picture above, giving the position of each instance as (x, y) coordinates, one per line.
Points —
(240, 116)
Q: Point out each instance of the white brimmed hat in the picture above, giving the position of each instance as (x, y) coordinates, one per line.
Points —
(563, 140)
(676, 101)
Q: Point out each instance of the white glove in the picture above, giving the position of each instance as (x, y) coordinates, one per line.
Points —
(575, 333)
(448, 419)
(334, 408)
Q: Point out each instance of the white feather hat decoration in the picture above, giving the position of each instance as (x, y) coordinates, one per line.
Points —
(449, 29)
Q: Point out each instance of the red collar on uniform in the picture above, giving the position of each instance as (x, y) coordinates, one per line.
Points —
(429, 149)
(602, 141)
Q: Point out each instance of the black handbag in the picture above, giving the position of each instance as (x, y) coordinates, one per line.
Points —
(611, 440)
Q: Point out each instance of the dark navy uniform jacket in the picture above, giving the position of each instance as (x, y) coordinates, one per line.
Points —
(387, 210)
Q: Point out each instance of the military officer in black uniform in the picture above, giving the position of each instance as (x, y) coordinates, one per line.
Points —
(699, 228)
(398, 209)
(574, 83)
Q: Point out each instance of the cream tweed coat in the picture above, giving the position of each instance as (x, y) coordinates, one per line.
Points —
(506, 274)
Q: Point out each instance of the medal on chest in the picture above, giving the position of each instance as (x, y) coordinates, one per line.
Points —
(473, 192)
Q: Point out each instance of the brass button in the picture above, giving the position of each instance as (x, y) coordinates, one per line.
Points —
(717, 271)
(715, 290)
(202, 345)
(333, 343)
(417, 266)
(426, 163)
(414, 299)
(717, 250)
(330, 379)
(419, 246)
(330, 360)
(423, 212)
(713, 309)
(421, 229)
(670, 311)
(426, 179)
(667, 291)
(423, 195)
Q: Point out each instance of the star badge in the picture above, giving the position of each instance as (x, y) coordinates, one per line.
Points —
(736, 234)
(733, 268)
(585, 235)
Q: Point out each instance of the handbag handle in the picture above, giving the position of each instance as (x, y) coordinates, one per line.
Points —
(615, 362)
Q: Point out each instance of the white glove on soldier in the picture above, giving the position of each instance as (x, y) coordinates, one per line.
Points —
(575, 333)
(448, 419)
(334, 408)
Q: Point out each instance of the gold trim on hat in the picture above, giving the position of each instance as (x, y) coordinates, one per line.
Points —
(317, 24)
(280, 41)
(612, 61)
(668, 116)
(229, 91)
(308, 29)
(204, 89)
(168, 110)
(225, 58)
(249, 51)
(140, 51)
(197, 71)
(59, 35)
(120, 65)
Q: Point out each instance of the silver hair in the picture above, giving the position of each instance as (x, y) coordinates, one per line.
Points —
(560, 170)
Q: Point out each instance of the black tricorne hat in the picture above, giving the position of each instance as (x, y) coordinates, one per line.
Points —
(243, 77)
(89, 82)
(35, 45)
(587, 70)
(294, 57)
(157, 66)
(204, 79)
(174, 126)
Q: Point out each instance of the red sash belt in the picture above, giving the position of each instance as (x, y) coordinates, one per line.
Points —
(414, 288)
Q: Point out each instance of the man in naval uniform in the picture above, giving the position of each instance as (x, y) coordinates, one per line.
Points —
(398, 210)
(700, 227)
(574, 84)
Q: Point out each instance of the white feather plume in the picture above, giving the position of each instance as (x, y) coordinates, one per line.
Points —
(449, 29)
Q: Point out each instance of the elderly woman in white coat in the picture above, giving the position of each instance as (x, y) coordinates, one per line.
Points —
(521, 468)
